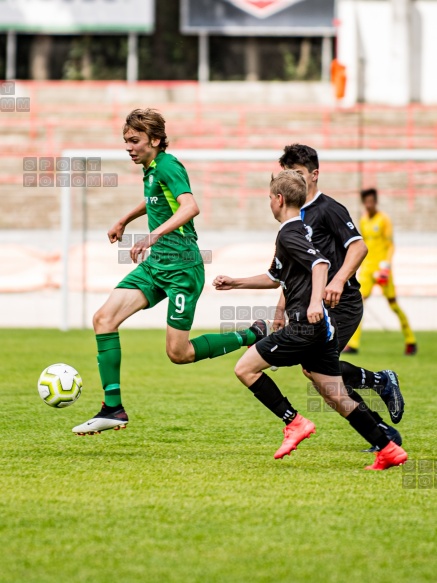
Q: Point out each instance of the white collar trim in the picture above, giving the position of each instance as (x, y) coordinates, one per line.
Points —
(290, 221)
(319, 192)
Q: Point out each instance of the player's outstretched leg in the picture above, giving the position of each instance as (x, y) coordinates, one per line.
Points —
(357, 376)
(106, 418)
(267, 392)
(214, 345)
(120, 305)
(384, 382)
(359, 416)
(410, 339)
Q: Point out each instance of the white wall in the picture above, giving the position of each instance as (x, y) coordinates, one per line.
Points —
(389, 48)
(427, 33)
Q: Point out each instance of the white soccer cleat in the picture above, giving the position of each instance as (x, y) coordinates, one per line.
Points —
(106, 418)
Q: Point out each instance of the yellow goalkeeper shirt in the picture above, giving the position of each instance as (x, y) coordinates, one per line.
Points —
(377, 232)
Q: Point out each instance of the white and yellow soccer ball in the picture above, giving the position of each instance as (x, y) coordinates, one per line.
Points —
(59, 385)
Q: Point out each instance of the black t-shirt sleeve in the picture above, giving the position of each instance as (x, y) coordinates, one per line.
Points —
(300, 249)
(340, 223)
(273, 271)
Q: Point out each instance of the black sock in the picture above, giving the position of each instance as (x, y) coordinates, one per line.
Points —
(364, 424)
(358, 398)
(357, 377)
(377, 417)
(266, 391)
(380, 381)
(353, 394)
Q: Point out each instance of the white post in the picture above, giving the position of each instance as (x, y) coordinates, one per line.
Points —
(65, 246)
(11, 55)
(203, 67)
(252, 60)
(348, 50)
(326, 58)
(132, 57)
(399, 85)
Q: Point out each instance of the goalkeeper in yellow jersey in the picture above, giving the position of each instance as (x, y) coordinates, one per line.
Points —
(377, 232)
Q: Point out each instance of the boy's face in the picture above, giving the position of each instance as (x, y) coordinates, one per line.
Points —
(310, 177)
(140, 147)
(275, 204)
(369, 203)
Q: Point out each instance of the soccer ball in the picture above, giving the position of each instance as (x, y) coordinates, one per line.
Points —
(59, 385)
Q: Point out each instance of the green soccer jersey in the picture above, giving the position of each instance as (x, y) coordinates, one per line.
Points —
(164, 180)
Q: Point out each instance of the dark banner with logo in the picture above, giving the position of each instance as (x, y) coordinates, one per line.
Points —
(263, 17)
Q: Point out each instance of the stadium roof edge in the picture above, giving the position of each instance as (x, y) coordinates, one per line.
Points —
(257, 155)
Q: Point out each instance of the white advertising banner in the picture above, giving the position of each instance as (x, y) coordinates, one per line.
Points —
(70, 16)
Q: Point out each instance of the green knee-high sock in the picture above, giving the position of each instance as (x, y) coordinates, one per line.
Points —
(213, 345)
(109, 360)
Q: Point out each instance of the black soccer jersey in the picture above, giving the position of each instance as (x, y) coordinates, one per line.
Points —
(331, 230)
(295, 257)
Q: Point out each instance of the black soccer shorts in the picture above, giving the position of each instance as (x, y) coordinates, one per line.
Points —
(347, 317)
(302, 343)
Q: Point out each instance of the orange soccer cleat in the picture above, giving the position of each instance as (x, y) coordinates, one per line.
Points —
(296, 431)
(390, 455)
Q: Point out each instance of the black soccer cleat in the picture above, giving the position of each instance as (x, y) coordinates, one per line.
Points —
(106, 418)
(392, 434)
(261, 329)
(410, 349)
(390, 393)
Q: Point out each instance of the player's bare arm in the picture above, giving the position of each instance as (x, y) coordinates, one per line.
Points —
(279, 320)
(356, 252)
(319, 279)
(187, 210)
(115, 233)
(263, 281)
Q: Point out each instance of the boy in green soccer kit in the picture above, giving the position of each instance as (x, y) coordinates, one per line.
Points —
(173, 269)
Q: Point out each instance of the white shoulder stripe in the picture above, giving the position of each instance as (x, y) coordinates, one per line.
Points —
(271, 276)
(349, 241)
(320, 261)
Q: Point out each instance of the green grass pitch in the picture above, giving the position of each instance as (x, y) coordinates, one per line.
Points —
(190, 492)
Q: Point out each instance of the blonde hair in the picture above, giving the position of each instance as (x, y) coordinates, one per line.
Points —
(291, 185)
(149, 121)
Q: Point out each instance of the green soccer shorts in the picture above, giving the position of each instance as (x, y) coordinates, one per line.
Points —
(182, 287)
